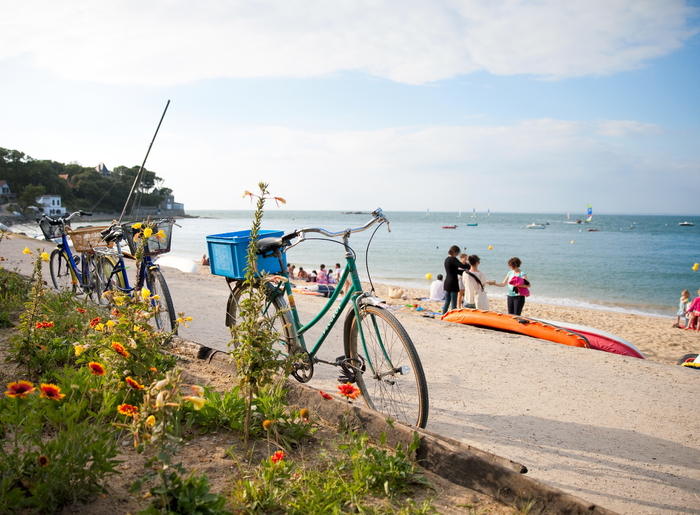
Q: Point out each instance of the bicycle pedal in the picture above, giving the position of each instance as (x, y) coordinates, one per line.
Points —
(343, 379)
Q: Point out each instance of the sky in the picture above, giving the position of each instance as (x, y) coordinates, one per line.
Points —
(512, 105)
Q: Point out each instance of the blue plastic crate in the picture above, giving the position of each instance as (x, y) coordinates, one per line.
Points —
(228, 254)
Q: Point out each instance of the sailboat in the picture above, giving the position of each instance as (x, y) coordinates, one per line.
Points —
(427, 212)
(474, 213)
(567, 216)
(590, 214)
(488, 211)
(460, 215)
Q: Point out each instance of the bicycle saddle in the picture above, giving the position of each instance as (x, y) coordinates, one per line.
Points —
(268, 246)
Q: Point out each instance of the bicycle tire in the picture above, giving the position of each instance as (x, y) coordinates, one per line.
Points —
(399, 394)
(91, 274)
(282, 322)
(62, 274)
(107, 280)
(165, 312)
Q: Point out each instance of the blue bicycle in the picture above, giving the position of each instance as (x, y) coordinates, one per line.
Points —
(77, 273)
(112, 270)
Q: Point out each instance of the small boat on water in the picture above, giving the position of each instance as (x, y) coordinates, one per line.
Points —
(449, 226)
(595, 230)
(576, 222)
(472, 225)
(686, 224)
(535, 226)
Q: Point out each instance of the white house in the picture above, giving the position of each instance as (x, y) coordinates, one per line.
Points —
(51, 205)
(4, 188)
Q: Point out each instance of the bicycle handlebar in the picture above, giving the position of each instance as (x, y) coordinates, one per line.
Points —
(64, 218)
(377, 214)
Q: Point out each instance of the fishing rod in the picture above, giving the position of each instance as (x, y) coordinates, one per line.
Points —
(138, 174)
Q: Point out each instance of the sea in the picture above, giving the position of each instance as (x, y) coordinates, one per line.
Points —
(624, 263)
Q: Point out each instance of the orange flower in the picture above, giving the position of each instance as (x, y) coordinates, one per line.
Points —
(81, 310)
(134, 384)
(348, 390)
(44, 325)
(325, 395)
(119, 349)
(43, 460)
(304, 414)
(51, 391)
(153, 369)
(267, 424)
(95, 321)
(115, 312)
(277, 457)
(128, 410)
(96, 368)
(19, 389)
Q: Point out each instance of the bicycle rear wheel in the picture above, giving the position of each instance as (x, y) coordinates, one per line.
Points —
(275, 309)
(165, 316)
(62, 274)
(392, 381)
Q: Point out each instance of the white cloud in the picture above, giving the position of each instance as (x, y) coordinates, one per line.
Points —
(620, 128)
(175, 41)
(536, 165)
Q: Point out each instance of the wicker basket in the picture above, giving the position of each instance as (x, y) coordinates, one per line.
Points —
(85, 239)
(51, 230)
(155, 244)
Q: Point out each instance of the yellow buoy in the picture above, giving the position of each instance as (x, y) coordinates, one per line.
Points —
(428, 276)
(572, 242)
(490, 247)
(696, 266)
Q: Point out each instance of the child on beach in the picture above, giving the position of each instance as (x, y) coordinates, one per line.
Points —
(683, 310)
(694, 312)
(460, 296)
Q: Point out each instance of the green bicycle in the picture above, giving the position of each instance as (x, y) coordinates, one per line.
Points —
(379, 355)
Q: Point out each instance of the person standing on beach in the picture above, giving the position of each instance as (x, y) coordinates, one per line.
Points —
(460, 296)
(453, 269)
(516, 302)
(474, 281)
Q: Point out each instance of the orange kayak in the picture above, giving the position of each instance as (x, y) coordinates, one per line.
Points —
(515, 324)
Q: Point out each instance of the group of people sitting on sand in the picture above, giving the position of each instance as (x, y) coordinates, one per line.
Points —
(330, 276)
(688, 312)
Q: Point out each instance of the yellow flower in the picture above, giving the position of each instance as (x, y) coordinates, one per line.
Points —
(110, 324)
(26, 251)
(160, 235)
(145, 292)
(45, 256)
(79, 349)
(161, 384)
(160, 400)
(100, 327)
(136, 225)
(198, 390)
(197, 402)
(119, 300)
(156, 297)
(147, 232)
(151, 421)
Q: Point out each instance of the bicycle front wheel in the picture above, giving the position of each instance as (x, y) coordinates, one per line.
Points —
(107, 278)
(62, 274)
(165, 317)
(388, 371)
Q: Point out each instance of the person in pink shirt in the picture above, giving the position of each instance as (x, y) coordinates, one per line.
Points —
(694, 312)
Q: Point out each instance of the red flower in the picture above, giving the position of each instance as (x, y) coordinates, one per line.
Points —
(119, 349)
(19, 389)
(325, 395)
(128, 410)
(51, 391)
(277, 457)
(348, 390)
(43, 461)
(44, 325)
(81, 310)
(115, 312)
(134, 384)
(95, 321)
(96, 368)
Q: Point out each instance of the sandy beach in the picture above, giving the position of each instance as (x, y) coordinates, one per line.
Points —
(617, 431)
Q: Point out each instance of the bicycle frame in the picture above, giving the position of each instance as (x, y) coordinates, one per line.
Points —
(120, 271)
(79, 278)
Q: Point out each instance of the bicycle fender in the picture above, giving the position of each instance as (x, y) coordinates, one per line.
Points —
(371, 300)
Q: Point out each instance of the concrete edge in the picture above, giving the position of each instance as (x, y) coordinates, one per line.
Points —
(489, 474)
